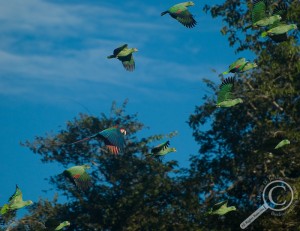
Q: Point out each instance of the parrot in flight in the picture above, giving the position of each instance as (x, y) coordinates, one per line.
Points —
(15, 202)
(113, 138)
(161, 150)
(225, 96)
(221, 209)
(79, 176)
(124, 54)
(181, 13)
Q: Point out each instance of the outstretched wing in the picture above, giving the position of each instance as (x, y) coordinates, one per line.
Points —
(226, 88)
(258, 10)
(186, 19)
(128, 62)
(160, 147)
(119, 49)
(79, 176)
(16, 197)
(113, 137)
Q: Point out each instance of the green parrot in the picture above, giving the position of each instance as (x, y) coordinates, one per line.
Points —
(161, 150)
(225, 96)
(113, 138)
(15, 202)
(281, 29)
(261, 14)
(221, 209)
(79, 176)
(282, 143)
(280, 9)
(124, 54)
(239, 66)
(53, 224)
(181, 14)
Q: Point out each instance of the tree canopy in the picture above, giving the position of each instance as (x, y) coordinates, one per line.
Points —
(133, 191)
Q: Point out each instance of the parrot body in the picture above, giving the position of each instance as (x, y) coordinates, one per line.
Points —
(267, 21)
(281, 29)
(282, 143)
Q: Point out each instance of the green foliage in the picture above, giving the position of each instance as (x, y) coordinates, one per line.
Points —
(129, 192)
(237, 152)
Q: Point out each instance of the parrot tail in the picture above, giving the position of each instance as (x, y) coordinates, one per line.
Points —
(163, 13)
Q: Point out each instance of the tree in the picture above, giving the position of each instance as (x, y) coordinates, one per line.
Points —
(237, 152)
(129, 192)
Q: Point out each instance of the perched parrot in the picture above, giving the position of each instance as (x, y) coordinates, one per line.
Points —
(79, 176)
(161, 150)
(261, 14)
(221, 209)
(239, 66)
(53, 224)
(113, 138)
(15, 202)
(225, 96)
(181, 14)
(282, 143)
(281, 29)
(124, 54)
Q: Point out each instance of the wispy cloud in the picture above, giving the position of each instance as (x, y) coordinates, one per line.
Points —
(52, 45)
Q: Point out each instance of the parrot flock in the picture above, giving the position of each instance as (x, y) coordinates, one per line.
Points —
(270, 17)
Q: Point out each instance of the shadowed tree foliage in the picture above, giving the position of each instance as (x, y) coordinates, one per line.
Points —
(129, 191)
(237, 153)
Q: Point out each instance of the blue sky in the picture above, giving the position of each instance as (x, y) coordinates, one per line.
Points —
(53, 61)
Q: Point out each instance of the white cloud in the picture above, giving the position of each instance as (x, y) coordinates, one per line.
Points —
(63, 47)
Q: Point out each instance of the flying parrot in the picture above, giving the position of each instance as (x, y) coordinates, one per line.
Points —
(278, 30)
(280, 9)
(221, 209)
(161, 150)
(79, 176)
(53, 224)
(124, 54)
(225, 96)
(15, 202)
(113, 138)
(262, 15)
(282, 143)
(239, 66)
(181, 13)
